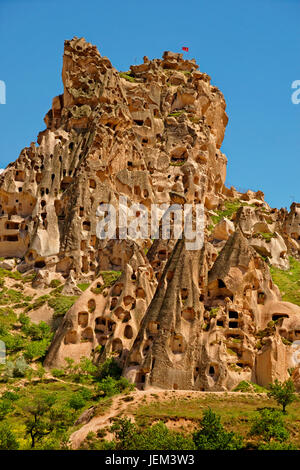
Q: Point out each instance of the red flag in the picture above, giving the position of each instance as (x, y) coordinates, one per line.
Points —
(186, 49)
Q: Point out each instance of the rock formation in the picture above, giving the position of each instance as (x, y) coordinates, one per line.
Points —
(176, 318)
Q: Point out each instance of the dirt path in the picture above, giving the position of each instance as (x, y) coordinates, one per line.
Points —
(119, 407)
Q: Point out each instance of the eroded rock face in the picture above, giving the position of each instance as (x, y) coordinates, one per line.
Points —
(152, 139)
(202, 328)
(106, 318)
(176, 318)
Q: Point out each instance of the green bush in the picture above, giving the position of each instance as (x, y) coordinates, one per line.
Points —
(6, 407)
(77, 401)
(157, 437)
(13, 343)
(36, 349)
(213, 436)
(108, 386)
(8, 440)
(128, 76)
(20, 367)
(58, 373)
(55, 283)
(8, 395)
(245, 386)
(109, 368)
(274, 445)
(269, 424)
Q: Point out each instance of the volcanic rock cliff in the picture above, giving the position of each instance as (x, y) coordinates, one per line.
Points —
(200, 319)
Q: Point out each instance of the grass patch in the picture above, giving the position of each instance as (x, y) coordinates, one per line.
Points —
(249, 387)
(230, 208)
(83, 286)
(39, 302)
(128, 76)
(267, 236)
(236, 411)
(179, 163)
(288, 281)
(109, 278)
(61, 304)
(176, 113)
(12, 296)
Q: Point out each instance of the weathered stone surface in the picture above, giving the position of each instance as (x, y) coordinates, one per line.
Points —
(223, 230)
(203, 319)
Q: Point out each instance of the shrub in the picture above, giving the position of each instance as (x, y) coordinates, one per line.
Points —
(213, 436)
(269, 424)
(10, 396)
(6, 407)
(55, 283)
(245, 386)
(157, 437)
(77, 401)
(58, 373)
(85, 393)
(20, 367)
(36, 349)
(123, 384)
(12, 342)
(128, 76)
(108, 386)
(8, 440)
(109, 368)
(274, 445)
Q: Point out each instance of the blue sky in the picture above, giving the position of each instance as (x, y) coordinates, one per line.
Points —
(249, 48)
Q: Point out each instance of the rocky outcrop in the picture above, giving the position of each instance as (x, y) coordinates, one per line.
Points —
(147, 135)
(202, 331)
(201, 319)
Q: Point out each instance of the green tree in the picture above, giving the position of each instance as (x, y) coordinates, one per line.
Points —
(283, 393)
(269, 424)
(45, 416)
(124, 431)
(213, 436)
